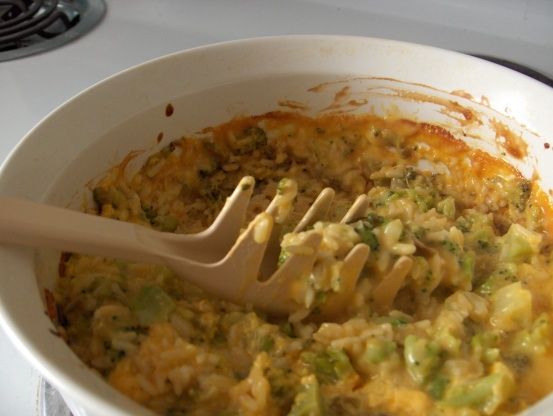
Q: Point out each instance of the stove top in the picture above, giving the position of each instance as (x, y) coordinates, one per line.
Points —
(50, 403)
(133, 31)
(28, 27)
(523, 69)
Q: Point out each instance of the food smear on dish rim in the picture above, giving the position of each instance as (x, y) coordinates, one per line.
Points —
(464, 329)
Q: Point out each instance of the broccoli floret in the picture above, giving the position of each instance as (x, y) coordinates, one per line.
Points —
(503, 276)
(483, 240)
(378, 350)
(103, 196)
(511, 307)
(252, 138)
(364, 228)
(478, 229)
(487, 393)
(287, 329)
(424, 200)
(464, 224)
(149, 212)
(484, 346)
(467, 263)
(535, 339)
(418, 195)
(166, 223)
(283, 385)
(447, 207)
(308, 401)
(446, 339)
(329, 366)
(283, 256)
(520, 194)
(422, 358)
(373, 220)
(151, 305)
(266, 343)
(437, 386)
(368, 237)
(519, 244)
(452, 247)
(385, 197)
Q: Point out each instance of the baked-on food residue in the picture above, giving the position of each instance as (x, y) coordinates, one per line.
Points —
(169, 110)
(342, 102)
(451, 316)
(508, 140)
(294, 105)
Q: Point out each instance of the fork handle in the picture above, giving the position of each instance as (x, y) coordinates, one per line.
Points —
(32, 224)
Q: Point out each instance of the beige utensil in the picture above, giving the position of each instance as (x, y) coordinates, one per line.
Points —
(219, 259)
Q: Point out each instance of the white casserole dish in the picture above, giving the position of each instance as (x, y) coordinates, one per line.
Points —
(475, 100)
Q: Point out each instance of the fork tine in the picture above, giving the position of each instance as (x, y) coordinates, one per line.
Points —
(228, 223)
(357, 209)
(276, 291)
(280, 209)
(353, 264)
(385, 292)
(243, 258)
(351, 269)
(281, 204)
(318, 210)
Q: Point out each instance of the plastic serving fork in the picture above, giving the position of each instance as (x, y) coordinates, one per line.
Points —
(219, 259)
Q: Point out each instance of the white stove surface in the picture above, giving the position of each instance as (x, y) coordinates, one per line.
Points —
(134, 31)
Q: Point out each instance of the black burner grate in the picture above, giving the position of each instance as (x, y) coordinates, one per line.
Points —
(50, 402)
(523, 69)
(22, 19)
(32, 26)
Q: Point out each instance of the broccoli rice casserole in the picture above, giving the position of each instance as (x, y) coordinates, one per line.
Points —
(451, 314)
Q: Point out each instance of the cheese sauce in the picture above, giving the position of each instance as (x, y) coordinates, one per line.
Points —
(451, 314)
